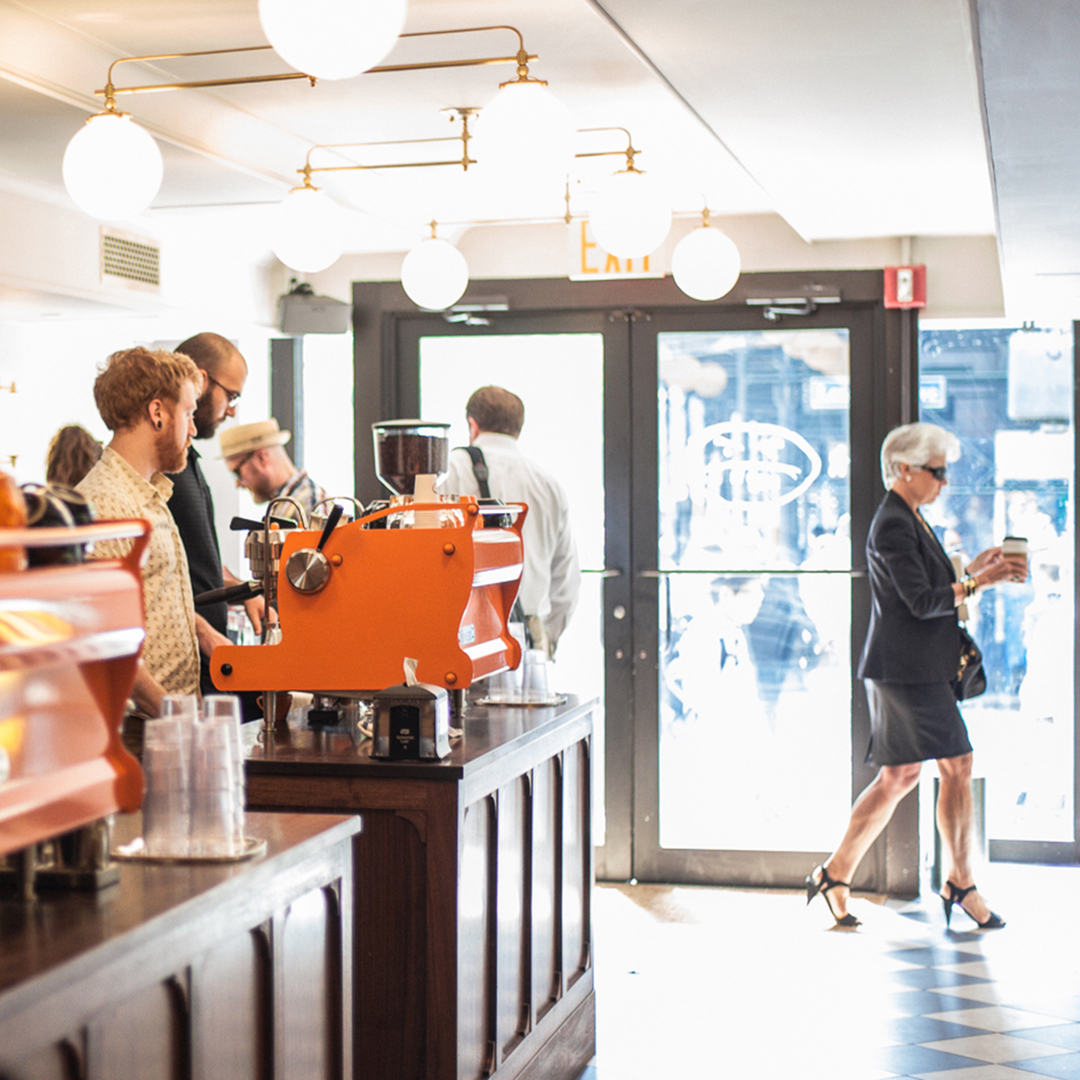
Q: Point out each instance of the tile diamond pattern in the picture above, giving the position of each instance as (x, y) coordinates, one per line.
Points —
(780, 996)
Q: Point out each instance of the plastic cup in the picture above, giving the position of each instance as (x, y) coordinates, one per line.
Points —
(535, 682)
(180, 706)
(216, 802)
(167, 803)
(502, 686)
(225, 709)
(222, 706)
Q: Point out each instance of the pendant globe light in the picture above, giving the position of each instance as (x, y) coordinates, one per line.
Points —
(112, 167)
(332, 39)
(631, 213)
(434, 274)
(706, 263)
(525, 135)
(307, 230)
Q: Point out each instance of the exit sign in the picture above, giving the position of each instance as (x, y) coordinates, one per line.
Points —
(590, 262)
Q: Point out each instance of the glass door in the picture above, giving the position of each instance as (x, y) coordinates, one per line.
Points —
(571, 372)
(751, 583)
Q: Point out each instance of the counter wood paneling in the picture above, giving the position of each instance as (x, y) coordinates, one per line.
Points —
(210, 971)
(473, 890)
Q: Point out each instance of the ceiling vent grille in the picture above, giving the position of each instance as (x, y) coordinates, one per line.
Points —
(130, 262)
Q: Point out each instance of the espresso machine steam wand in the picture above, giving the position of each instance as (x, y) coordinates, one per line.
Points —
(264, 565)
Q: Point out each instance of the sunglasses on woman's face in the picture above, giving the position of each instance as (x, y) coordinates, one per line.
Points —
(936, 471)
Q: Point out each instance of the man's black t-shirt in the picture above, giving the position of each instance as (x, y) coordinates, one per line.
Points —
(192, 507)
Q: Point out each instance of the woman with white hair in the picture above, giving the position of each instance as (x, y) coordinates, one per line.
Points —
(909, 663)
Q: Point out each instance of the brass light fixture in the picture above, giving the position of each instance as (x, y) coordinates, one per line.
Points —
(307, 232)
(113, 168)
(434, 274)
(333, 39)
(706, 263)
(631, 212)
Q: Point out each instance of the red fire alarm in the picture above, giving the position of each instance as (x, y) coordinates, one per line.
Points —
(905, 286)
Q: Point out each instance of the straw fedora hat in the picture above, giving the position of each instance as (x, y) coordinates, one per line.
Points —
(244, 438)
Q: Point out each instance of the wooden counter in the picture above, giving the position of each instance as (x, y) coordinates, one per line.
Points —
(473, 889)
(210, 971)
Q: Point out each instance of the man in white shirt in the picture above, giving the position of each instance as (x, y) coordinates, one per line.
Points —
(551, 577)
(147, 400)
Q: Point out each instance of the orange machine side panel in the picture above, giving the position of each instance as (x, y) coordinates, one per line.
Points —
(396, 593)
(70, 638)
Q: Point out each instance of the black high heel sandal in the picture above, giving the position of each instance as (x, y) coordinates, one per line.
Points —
(956, 896)
(823, 885)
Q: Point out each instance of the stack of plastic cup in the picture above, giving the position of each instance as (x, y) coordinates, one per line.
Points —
(534, 687)
(225, 709)
(194, 804)
(166, 806)
(213, 790)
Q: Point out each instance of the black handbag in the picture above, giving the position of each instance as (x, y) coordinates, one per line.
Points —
(970, 678)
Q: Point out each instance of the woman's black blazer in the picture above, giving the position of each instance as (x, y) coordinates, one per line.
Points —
(913, 635)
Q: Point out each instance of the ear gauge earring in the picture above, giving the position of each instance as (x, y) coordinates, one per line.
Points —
(159, 425)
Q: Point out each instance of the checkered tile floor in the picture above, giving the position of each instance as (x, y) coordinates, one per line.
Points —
(696, 982)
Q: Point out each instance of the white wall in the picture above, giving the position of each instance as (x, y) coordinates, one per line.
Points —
(58, 322)
(963, 278)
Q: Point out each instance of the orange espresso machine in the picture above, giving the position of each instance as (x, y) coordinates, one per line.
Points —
(70, 640)
(422, 577)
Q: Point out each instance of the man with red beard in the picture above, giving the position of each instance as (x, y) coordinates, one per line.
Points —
(147, 400)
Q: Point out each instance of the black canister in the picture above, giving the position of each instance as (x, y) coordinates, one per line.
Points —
(56, 506)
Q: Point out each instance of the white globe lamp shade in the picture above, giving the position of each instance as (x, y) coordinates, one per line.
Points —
(332, 39)
(706, 264)
(525, 136)
(631, 215)
(307, 230)
(112, 167)
(434, 275)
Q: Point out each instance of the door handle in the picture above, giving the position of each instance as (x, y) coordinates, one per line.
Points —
(762, 571)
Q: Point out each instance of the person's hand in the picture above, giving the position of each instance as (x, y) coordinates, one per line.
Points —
(987, 557)
(256, 612)
(999, 568)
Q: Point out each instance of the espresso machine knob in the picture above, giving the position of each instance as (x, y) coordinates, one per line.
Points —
(307, 570)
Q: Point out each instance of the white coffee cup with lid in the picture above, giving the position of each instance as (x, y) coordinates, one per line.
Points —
(1015, 547)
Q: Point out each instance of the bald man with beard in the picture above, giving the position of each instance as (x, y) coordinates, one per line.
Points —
(192, 504)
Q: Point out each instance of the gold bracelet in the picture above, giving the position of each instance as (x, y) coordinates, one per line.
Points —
(971, 586)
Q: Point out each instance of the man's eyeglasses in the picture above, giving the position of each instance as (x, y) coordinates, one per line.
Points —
(936, 471)
(235, 470)
(233, 396)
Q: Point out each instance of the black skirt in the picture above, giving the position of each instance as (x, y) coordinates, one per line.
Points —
(912, 722)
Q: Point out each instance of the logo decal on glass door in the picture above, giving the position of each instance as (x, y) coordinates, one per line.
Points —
(746, 462)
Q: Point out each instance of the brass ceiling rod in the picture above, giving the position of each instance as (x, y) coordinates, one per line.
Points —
(464, 161)
(522, 59)
(630, 151)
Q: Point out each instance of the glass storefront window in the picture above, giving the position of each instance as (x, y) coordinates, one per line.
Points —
(1007, 395)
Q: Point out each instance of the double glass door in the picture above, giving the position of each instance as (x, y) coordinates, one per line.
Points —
(709, 464)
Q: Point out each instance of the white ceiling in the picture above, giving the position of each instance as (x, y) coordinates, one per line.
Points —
(848, 118)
